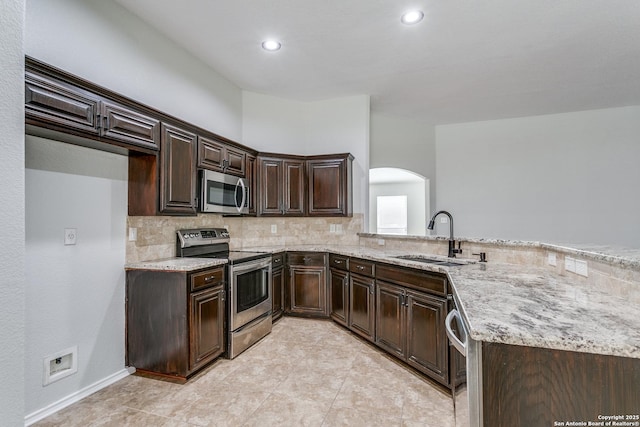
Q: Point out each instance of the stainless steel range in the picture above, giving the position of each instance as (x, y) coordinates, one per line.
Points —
(249, 284)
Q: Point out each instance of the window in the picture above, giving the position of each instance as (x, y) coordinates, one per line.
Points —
(392, 214)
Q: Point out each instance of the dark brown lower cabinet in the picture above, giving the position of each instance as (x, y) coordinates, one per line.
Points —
(362, 306)
(206, 325)
(410, 325)
(307, 287)
(339, 296)
(307, 284)
(530, 386)
(175, 321)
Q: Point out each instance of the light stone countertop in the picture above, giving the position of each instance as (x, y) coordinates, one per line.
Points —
(176, 264)
(505, 303)
(521, 305)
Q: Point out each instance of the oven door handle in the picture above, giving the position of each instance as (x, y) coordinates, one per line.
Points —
(460, 345)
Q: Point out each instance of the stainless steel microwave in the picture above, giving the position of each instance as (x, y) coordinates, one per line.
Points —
(222, 193)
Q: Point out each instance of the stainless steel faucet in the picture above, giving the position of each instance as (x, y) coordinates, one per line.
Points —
(452, 243)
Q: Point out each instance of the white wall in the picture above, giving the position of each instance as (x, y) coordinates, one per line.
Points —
(557, 178)
(12, 251)
(405, 144)
(415, 192)
(75, 294)
(104, 43)
(337, 125)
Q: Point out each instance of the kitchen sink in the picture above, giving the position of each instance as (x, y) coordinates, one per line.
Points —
(428, 260)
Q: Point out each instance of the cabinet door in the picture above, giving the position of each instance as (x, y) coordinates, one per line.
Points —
(361, 306)
(339, 296)
(277, 283)
(234, 161)
(206, 326)
(307, 290)
(131, 127)
(177, 179)
(53, 103)
(329, 188)
(271, 184)
(390, 318)
(427, 343)
(294, 188)
(210, 154)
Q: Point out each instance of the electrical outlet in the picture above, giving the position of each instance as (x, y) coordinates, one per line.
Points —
(444, 220)
(274, 228)
(332, 228)
(551, 259)
(133, 234)
(582, 268)
(381, 242)
(70, 236)
(338, 228)
(570, 264)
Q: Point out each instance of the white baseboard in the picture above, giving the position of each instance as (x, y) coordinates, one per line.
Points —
(40, 414)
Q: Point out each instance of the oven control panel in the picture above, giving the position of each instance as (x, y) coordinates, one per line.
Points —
(202, 236)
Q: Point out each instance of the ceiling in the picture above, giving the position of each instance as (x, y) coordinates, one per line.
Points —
(466, 61)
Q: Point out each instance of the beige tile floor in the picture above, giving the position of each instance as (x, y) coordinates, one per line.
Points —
(305, 373)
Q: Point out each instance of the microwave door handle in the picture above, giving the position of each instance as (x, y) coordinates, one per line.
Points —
(241, 185)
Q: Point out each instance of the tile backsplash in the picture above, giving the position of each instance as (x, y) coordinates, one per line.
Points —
(156, 235)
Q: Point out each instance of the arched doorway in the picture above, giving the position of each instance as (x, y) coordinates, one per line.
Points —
(398, 202)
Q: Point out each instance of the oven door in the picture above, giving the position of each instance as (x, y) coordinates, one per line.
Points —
(249, 291)
(223, 193)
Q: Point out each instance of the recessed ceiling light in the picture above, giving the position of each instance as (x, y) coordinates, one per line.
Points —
(412, 17)
(271, 45)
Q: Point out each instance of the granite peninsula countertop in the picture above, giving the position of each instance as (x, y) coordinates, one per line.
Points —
(525, 305)
(506, 303)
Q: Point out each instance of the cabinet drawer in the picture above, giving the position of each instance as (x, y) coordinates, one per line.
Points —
(366, 268)
(207, 278)
(415, 279)
(307, 258)
(339, 262)
(277, 260)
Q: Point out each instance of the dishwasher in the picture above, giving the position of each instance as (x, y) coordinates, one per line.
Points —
(467, 396)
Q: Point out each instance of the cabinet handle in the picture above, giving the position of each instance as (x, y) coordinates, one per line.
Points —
(346, 282)
(359, 267)
(208, 279)
(337, 261)
(306, 259)
(277, 260)
(223, 295)
(371, 289)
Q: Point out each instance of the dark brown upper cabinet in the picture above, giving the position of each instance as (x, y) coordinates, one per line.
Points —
(330, 185)
(305, 186)
(177, 171)
(282, 186)
(218, 156)
(51, 102)
(59, 104)
(129, 126)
